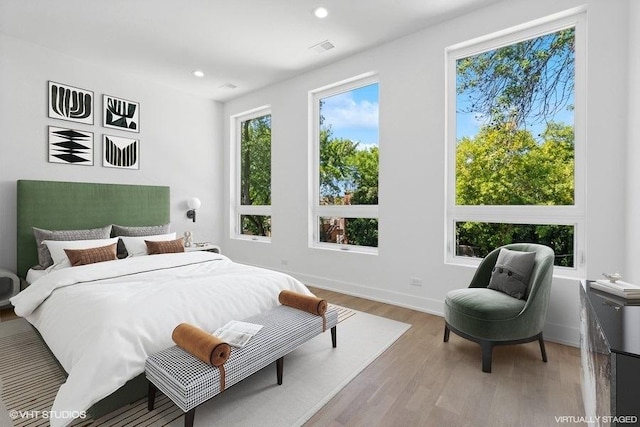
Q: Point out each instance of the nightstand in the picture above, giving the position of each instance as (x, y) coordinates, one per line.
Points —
(9, 286)
(203, 247)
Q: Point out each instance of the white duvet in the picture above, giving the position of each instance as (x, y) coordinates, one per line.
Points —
(102, 320)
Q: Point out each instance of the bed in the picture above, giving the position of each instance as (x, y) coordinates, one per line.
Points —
(102, 320)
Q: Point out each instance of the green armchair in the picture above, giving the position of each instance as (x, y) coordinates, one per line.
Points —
(490, 317)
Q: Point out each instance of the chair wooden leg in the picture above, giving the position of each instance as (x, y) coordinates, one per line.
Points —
(487, 350)
(334, 336)
(542, 349)
(446, 333)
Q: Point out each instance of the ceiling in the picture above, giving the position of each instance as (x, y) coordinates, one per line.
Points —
(246, 43)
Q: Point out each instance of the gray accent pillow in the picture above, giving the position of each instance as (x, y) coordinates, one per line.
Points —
(512, 272)
(130, 231)
(44, 256)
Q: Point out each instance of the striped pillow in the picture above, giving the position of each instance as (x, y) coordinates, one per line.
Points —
(92, 255)
(164, 246)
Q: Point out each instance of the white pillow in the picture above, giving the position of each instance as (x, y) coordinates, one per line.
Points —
(59, 256)
(136, 245)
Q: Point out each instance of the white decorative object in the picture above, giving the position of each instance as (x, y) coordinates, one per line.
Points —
(194, 203)
(188, 239)
(612, 276)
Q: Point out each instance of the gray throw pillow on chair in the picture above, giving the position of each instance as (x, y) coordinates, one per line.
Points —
(512, 272)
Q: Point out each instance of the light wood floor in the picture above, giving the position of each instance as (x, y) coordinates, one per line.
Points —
(7, 314)
(423, 381)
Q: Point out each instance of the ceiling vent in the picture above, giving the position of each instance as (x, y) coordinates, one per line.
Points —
(322, 46)
(228, 86)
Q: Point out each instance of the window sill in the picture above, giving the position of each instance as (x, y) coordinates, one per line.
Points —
(259, 239)
(363, 250)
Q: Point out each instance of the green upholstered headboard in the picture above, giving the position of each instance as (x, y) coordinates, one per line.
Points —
(78, 205)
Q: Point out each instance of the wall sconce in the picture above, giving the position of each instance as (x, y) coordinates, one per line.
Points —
(193, 203)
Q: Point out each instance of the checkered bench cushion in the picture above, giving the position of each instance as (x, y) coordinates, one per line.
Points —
(188, 381)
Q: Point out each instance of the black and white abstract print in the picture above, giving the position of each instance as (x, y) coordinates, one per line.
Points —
(122, 153)
(70, 103)
(121, 114)
(70, 146)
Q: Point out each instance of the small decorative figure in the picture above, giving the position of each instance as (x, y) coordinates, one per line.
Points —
(188, 239)
(612, 276)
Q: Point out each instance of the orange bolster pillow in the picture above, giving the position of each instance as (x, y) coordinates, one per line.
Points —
(309, 303)
(206, 347)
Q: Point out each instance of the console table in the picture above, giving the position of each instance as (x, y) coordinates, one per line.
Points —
(610, 355)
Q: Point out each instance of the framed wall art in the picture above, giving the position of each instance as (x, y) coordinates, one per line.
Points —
(70, 146)
(120, 114)
(121, 153)
(70, 103)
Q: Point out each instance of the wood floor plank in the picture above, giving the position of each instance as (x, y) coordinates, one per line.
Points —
(422, 381)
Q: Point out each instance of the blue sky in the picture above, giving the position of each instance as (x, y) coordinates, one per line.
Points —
(354, 115)
(468, 124)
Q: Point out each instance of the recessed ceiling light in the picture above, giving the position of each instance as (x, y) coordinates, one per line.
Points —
(320, 12)
(198, 73)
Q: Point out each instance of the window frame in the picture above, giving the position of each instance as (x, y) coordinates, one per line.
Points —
(316, 211)
(237, 209)
(573, 215)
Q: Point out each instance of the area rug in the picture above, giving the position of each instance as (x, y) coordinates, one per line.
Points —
(313, 374)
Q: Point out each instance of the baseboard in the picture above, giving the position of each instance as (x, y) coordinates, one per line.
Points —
(562, 334)
(553, 332)
(412, 302)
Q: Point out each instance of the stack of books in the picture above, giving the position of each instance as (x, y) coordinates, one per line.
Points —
(618, 288)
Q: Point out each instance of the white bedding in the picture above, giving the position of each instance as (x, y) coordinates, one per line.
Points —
(34, 274)
(103, 320)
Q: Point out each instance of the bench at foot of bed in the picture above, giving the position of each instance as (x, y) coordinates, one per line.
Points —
(188, 381)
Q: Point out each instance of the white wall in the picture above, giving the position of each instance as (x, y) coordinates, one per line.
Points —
(633, 147)
(412, 153)
(180, 138)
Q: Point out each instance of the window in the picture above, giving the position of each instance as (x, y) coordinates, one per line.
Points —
(515, 142)
(251, 193)
(344, 139)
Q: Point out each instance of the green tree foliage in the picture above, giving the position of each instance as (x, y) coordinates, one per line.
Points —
(365, 165)
(362, 231)
(527, 81)
(255, 176)
(479, 238)
(337, 169)
(505, 166)
(349, 176)
(348, 173)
